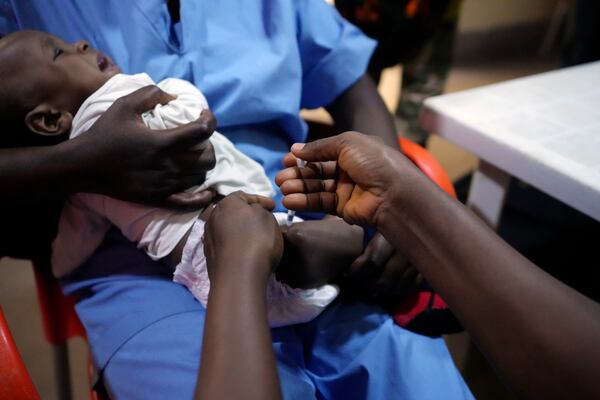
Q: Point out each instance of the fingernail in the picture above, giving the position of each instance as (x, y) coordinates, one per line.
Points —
(297, 146)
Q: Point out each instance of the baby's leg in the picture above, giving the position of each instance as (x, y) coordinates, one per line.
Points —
(174, 257)
(317, 252)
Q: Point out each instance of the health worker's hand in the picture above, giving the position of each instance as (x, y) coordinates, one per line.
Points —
(241, 233)
(351, 175)
(122, 158)
(357, 178)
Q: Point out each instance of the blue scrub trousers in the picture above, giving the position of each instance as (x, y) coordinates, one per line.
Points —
(145, 332)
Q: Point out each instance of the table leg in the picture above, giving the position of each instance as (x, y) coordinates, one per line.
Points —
(487, 192)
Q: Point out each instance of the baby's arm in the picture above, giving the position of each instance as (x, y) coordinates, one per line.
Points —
(155, 230)
(317, 252)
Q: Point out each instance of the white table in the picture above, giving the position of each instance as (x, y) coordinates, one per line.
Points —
(543, 129)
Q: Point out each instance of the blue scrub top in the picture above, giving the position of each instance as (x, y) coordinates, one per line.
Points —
(257, 62)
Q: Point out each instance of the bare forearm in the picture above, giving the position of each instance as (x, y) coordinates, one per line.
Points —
(237, 356)
(41, 171)
(541, 335)
(361, 109)
(118, 157)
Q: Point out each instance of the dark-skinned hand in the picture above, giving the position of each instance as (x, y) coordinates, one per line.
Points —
(382, 273)
(355, 190)
(239, 231)
(122, 158)
(348, 175)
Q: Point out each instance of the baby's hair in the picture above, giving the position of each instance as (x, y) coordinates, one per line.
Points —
(13, 110)
(13, 131)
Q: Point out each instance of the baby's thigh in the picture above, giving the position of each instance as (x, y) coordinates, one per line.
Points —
(159, 362)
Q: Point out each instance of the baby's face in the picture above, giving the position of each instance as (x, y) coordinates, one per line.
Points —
(59, 73)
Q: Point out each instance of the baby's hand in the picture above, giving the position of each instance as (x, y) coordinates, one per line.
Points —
(317, 252)
(241, 234)
(382, 272)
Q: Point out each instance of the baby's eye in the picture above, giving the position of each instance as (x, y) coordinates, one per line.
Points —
(57, 53)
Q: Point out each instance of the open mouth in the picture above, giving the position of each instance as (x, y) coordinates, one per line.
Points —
(105, 64)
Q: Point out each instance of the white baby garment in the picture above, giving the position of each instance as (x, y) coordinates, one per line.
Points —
(87, 217)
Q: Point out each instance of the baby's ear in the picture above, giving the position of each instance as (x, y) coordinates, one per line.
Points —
(46, 120)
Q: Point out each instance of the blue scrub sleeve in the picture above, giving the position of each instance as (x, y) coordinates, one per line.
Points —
(334, 53)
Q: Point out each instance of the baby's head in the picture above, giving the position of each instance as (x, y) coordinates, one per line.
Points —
(43, 82)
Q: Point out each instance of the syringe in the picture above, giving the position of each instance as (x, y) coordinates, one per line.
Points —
(291, 213)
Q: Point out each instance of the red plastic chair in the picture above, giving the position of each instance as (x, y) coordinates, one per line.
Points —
(60, 323)
(15, 383)
(414, 306)
(58, 313)
(427, 164)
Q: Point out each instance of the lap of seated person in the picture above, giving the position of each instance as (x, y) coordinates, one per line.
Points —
(143, 329)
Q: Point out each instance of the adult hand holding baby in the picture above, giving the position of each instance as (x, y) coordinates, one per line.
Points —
(239, 232)
(243, 244)
(122, 158)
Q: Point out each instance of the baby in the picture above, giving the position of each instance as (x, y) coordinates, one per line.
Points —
(52, 91)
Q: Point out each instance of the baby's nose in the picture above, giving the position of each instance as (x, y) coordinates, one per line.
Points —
(82, 46)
